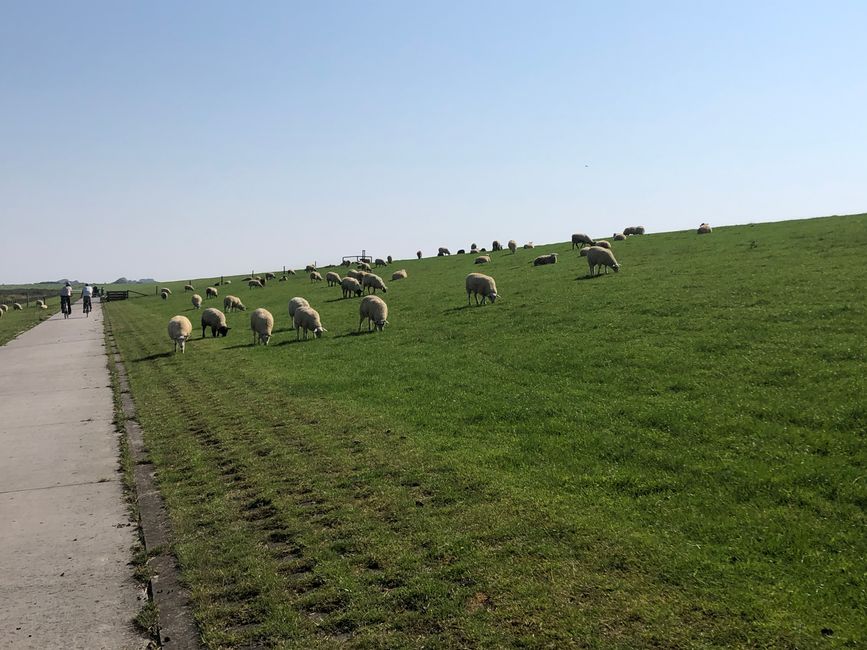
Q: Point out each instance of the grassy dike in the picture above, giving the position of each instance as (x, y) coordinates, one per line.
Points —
(670, 456)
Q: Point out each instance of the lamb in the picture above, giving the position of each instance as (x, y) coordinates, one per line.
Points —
(443, 251)
(599, 257)
(545, 259)
(210, 292)
(704, 229)
(261, 322)
(197, 301)
(295, 303)
(373, 282)
(496, 246)
(16, 306)
(254, 283)
(380, 262)
(216, 320)
(619, 236)
(166, 290)
(308, 319)
(513, 245)
(164, 295)
(579, 240)
(332, 278)
(374, 309)
(418, 254)
(189, 287)
(482, 259)
(180, 329)
(350, 286)
(399, 275)
(232, 303)
(602, 244)
(315, 277)
(478, 283)
(529, 244)
(363, 266)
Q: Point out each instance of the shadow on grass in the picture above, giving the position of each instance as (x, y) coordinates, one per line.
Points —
(451, 310)
(154, 356)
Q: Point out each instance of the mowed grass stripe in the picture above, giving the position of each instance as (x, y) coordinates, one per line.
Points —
(669, 456)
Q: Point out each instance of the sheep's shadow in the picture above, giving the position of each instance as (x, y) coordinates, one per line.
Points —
(363, 332)
(586, 277)
(289, 342)
(154, 356)
(462, 307)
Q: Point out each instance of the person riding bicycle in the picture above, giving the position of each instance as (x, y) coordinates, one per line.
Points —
(86, 295)
(66, 299)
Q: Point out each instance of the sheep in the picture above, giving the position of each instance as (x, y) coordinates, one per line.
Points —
(639, 230)
(443, 251)
(346, 263)
(704, 229)
(310, 268)
(315, 277)
(350, 286)
(363, 266)
(332, 278)
(352, 273)
(16, 306)
(513, 245)
(216, 320)
(261, 322)
(227, 282)
(166, 290)
(291, 272)
(211, 292)
(366, 260)
(180, 329)
(197, 301)
(482, 259)
(602, 244)
(40, 303)
(374, 309)
(399, 275)
(478, 283)
(295, 303)
(619, 236)
(579, 240)
(308, 319)
(247, 279)
(418, 254)
(474, 249)
(461, 251)
(43, 306)
(545, 259)
(388, 259)
(373, 282)
(270, 276)
(380, 262)
(4, 308)
(529, 244)
(254, 283)
(189, 287)
(232, 303)
(633, 230)
(496, 246)
(283, 278)
(599, 257)
(164, 295)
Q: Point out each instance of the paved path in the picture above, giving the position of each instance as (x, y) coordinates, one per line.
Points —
(65, 535)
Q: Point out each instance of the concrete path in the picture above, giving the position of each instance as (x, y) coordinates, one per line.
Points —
(65, 533)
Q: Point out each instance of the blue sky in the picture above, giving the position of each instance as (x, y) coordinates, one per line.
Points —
(177, 140)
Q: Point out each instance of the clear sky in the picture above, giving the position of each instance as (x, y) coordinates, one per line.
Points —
(187, 139)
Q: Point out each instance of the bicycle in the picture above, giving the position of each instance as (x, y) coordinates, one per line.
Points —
(88, 306)
(65, 306)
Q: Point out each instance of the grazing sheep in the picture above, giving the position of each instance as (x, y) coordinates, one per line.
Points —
(211, 292)
(373, 282)
(529, 244)
(346, 263)
(380, 262)
(315, 277)
(598, 257)
(295, 303)
(232, 303)
(704, 229)
(164, 295)
(474, 249)
(308, 319)
(227, 282)
(513, 245)
(291, 272)
(363, 266)
(633, 230)
(247, 279)
(283, 278)
(579, 240)
(166, 290)
(262, 323)
(197, 301)
(189, 287)
(309, 268)
(180, 329)
(619, 236)
(366, 260)
(482, 259)
(443, 251)
(483, 250)
(388, 259)
(374, 309)
(478, 283)
(545, 259)
(418, 254)
(399, 275)
(216, 320)
(254, 283)
(602, 244)
(332, 278)
(496, 246)
(270, 276)
(352, 273)
(43, 306)
(16, 306)
(39, 303)
(350, 286)
(4, 308)
(639, 230)
(461, 251)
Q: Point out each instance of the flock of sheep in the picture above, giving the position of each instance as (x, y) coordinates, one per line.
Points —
(16, 306)
(362, 280)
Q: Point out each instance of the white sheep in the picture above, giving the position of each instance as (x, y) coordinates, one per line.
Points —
(210, 292)
(364, 266)
(309, 268)
(399, 275)
(332, 278)
(599, 257)
(315, 277)
(374, 309)
(180, 329)
(633, 230)
(704, 229)
(529, 244)
(513, 245)
(496, 246)
(443, 251)
(16, 306)
(40, 303)
(545, 259)
(254, 283)
(197, 301)
(373, 282)
(380, 262)
(295, 303)
(619, 236)
(602, 244)
(270, 276)
(478, 283)
(232, 303)
(4, 308)
(308, 319)
(189, 287)
(346, 263)
(216, 320)
(350, 286)
(166, 290)
(579, 240)
(43, 306)
(164, 295)
(261, 322)
(290, 272)
(482, 259)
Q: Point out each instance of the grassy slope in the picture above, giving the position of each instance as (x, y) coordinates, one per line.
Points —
(12, 323)
(673, 455)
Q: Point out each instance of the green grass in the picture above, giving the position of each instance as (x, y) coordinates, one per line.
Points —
(670, 456)
(13, 323)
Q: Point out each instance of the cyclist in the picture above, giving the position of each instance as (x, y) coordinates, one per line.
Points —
(86, 295)
(66, 300)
